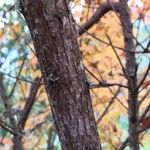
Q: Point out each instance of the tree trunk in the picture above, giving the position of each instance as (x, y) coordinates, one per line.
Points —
(131, 74)
(54, 35)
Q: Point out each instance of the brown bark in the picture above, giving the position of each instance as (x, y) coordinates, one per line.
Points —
(54, 36)
(131, 75)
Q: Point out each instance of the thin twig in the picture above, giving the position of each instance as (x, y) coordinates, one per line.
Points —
(113, 92)
(107, 43)
(21, 79)
(123, 68)
(143, 98)
(98, 14)
(108, 106)
(12, 91)
(29, 103)
(7, 127)
(144, 88)
(144, 113)
(144, 77)
(124, 144)
(108, 87)
(105, 84)
(124, 24)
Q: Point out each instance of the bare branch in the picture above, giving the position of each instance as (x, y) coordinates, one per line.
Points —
(12, 91)
(124, 144)
(123, 68)
(145, 86)
(143, 98)
(6, 127)
(144, 113)
(105, 84)
(30, 101)
(17, 78)
(144, 77)
(147, 47)
(100, 12)
(108, 86)
(108, 106)
(7, 104)
(107, 43)
(124, 24)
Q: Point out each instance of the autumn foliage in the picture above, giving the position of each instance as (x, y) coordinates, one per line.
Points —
(22, 92)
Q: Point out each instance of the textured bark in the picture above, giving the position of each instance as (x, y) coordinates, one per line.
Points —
(54, 36)
(131, 75)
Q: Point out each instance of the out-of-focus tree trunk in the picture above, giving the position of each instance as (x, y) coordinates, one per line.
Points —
(55, 39)
(131, 75)
(17, 138)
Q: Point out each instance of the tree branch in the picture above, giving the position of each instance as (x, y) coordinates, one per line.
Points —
(105, 84)
(144, 77)
(30, 101)
(7, 128)
(100, 12)
(108, 106)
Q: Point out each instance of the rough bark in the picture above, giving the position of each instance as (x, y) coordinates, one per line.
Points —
(54, 36)
(131, 75)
